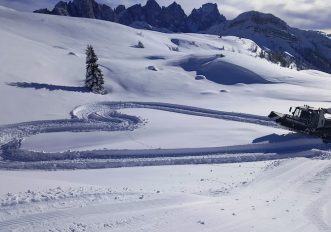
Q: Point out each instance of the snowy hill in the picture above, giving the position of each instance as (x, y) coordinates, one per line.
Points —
(287, 45)
(38, 49)
(182, 100)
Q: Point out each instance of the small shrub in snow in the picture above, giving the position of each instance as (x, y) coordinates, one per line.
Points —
(72, 54)
(254, 48)
(140, 45)
(193, 43)
(200, 77)
(220, 55)
(173, 49)
(224, 91)
(262, 54)
(94, 77)
(279, 58)
(152, 68)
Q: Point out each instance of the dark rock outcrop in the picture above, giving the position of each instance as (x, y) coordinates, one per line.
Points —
(119, 9)
(132, 14)
(173, 18)
(43, 11)
(204, 17)
(83, 9)
(152, 11)
(61, 8)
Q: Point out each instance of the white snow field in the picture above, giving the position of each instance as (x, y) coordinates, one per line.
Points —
(128, 161)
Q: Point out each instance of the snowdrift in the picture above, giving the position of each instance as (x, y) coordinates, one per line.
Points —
(221, 72)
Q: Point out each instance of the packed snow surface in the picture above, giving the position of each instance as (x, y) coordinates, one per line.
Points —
(255, 196)
(182, 99)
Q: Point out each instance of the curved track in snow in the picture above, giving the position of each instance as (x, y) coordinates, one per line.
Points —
(104, 117)
(317, 209)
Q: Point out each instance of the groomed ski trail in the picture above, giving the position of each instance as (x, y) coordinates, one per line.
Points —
(103, 116)
(176, 203)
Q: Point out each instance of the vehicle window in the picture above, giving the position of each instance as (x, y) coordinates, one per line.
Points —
(327, 116)
(305, 114)
(297, 112)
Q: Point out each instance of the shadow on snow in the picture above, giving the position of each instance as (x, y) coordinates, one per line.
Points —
(49, 87)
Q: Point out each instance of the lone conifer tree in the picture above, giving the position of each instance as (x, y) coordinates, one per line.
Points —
(94, 77)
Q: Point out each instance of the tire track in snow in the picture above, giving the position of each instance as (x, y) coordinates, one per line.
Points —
(144, 206)
(315, 210)
(88, 111)
(315, 213)
(104, 117)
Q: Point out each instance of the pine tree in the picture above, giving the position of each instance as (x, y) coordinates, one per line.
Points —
(94, 77)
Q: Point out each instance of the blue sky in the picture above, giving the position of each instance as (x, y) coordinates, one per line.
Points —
(306, 14)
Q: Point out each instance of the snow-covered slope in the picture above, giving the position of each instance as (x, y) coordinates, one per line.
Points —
(44, 74)
(163, 117)
(285, 44)
(37, 51)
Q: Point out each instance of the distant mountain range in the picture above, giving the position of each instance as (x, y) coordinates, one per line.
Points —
(281, 43)
(151, 16)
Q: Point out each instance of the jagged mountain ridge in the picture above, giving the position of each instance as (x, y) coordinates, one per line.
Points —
(291, 47)
(82, 8)
(150, 16)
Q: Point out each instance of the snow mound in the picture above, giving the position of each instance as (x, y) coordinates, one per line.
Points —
(11, 199)
(219, 71)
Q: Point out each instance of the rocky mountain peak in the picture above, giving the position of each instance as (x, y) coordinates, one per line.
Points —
(175, 9)
(209, 8)
(174, 5)
(132, 14)
(61, 8)
(283, 44)
(152, 5)
(119, 9)
(173, 18)
(152, 11)
(205, 17)
(84, 8)
(260, 19)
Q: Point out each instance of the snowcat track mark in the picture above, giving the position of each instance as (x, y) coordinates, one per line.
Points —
(104, 117)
